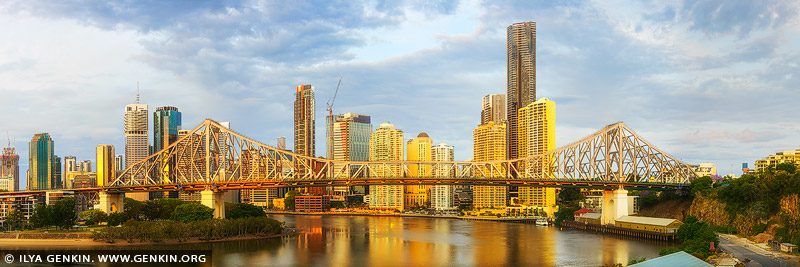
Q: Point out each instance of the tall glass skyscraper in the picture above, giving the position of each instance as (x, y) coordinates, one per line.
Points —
(166, 124)
(521, 78)
(40, 162)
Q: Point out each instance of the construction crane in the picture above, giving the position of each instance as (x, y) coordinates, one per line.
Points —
(330, 117)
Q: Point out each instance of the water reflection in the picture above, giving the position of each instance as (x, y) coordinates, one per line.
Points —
(394, 241)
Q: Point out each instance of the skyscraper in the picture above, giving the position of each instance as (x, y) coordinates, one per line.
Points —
(136, 132)
(282, 143)
(106, 171)
(70, 164)
(40, 162)
(166, 124)
(85, 166)
(350, 142)
(442, 195)
(489, 145)
(386, 144)
(57, 178)
(118, 163)
(521, 77)
(493, 108)
(9, 167)
(304, 120)
(418, 149)
(537, 135)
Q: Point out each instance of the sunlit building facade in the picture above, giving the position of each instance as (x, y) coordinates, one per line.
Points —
(9, 167)
(442, 196)
(537, 135)
(418, 149)
(304, 114)
(386, 144)
(521, 77)
(40, 162)
(778, 158)
(106, 171)
(166, 124)
(489, 144)
(493, 108)
(348, 137)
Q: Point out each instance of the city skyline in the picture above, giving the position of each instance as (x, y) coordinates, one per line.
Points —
(694, 99)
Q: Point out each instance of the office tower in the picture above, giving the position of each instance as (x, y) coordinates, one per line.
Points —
(40, 162)
(442, 196)
(106, 171)
(166, 124)
(304, 121)
(493, 108)
(85, 166)
(9, 167)
(537, 135)
(351, 134)
(118, 163)
(70, 164)
(136, 132)
(282, 143)
(386, 144)
(418, 149)
(55, 181)
(521, 77)
(489, 145)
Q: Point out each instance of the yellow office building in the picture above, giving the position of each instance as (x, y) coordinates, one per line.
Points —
(106, 173)
(386, 144)
(418, 149)
(537, 135)
(489, 143)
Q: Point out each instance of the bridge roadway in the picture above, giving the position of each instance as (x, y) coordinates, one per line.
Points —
(257, 184)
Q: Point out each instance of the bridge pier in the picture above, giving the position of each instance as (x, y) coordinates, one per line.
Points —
(615, 205)
(111, 202)
(213, 199)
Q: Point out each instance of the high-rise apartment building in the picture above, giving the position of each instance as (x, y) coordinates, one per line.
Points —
(521, 77)
(85, 166)
(489, 145)
(418, 149)
(493, 108)
(106, 171)
(70, 164)
(304, 120)
(166, 124)
(118, 163)
(40, 162)
(9, 167)
(442, 196)
(537, 135)
(386, 144)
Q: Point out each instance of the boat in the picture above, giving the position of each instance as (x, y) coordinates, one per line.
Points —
(541, 222)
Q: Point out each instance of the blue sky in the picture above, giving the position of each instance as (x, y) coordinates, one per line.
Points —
(705, 81)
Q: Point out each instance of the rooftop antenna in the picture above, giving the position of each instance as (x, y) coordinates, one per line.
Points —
(137, 92)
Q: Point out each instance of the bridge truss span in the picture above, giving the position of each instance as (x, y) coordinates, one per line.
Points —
(213, 155)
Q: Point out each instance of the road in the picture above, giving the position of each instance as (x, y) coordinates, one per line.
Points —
(741, 253)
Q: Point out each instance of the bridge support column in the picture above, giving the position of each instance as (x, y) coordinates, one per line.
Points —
(615, 205)
(111, 202)
(213, 199)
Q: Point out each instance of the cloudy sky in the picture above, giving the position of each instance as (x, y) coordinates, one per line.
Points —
(706, 81)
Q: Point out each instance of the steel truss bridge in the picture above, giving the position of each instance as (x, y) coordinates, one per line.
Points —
(212, 156)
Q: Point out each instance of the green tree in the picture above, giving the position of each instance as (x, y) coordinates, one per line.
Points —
(788, 167)
(700, 185)
(94, 216)
(15, 220)
(64, 213)
(41, 217)
(570, 194)
(696, 236)
(133, 208)
(289, 200)
(243, 210)
(190, 212)
(117, 218)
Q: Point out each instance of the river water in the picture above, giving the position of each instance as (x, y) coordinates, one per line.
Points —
(406, 241)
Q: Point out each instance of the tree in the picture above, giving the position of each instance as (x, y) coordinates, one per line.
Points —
(700, 185)
(94, 216)
(15, 219)
(243, 210)
(190, 212)
(133, 208)
(788, 167)
(117, 218)
(41, 216)
(289, 200)
(63, 213)
(570, 194)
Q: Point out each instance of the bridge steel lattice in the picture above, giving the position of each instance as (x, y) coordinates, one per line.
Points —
(212, 155)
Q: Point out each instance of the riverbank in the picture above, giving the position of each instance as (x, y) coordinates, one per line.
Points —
(88, 242)
(469, 218)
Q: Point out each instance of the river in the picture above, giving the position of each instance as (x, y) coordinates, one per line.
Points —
(407, 241)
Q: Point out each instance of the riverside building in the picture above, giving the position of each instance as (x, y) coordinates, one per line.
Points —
(386, 144)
